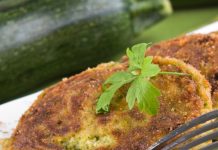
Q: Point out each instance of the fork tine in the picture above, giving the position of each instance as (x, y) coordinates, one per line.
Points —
(191, 134)
(212, 146)
(204, 118)
(200, 140)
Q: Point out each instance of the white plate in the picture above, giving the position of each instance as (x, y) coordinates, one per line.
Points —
(11, 112)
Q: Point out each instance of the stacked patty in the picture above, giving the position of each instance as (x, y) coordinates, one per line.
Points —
(201, 51)
(63, 117)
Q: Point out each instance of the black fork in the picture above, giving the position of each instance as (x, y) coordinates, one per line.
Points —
(183, 139)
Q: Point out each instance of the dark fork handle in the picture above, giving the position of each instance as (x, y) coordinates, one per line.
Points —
(212, 146)
(200, 141)
(191, 134)
(197, 121)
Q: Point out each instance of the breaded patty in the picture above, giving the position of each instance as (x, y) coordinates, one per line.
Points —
(63, 116)
(199, 50)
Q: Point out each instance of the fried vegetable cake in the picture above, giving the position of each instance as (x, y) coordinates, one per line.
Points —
(64, 117)
(199, 50)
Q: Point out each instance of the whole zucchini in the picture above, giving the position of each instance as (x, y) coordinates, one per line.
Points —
(45, 40)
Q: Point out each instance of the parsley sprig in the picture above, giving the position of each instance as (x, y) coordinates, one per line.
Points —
(139, 72)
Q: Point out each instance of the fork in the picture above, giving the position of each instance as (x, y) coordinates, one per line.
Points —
(183, 139)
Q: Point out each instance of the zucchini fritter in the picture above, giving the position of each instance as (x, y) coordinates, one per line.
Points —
(63, 116)
(199, 50)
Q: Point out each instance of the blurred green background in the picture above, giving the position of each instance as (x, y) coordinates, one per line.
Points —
(180, 22)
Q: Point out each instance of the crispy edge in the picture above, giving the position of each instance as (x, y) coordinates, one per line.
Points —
(203, 87)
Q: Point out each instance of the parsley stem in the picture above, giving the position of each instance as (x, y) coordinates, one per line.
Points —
(174, 73)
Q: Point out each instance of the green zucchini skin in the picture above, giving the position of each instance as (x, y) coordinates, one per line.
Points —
(45, 40)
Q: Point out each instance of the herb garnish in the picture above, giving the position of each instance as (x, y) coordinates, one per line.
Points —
(140, 70)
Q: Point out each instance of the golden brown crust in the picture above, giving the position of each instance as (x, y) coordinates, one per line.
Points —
(65, 113)
(199, 50)
(57, 110)
(176, 106)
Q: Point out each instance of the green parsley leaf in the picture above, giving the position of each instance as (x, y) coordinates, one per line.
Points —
(131, 95)
(105, 99)
(145, 94)
(141, 90)
(119, 77)
(149, 69)
(147, 97)
(139, 50)
(136, 56)
(116, 80)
